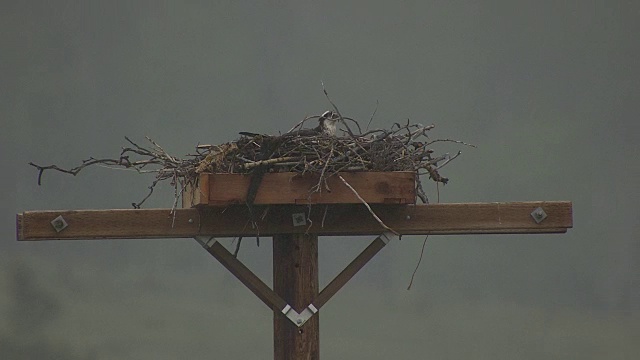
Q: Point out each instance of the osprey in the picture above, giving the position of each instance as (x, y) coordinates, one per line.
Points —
(327, 125)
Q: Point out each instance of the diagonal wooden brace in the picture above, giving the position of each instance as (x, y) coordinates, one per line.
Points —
(354, 266)
(246, 276)
(253, 282)
(273, 300)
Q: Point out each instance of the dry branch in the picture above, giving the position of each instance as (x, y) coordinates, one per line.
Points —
(367, 206)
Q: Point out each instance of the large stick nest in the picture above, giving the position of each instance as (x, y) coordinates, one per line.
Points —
(403, 147)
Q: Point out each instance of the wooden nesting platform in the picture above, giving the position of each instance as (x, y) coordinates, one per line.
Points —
(293, 188)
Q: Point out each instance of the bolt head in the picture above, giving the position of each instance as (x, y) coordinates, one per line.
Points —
(538, 215)
(59, 223)
(299, 219)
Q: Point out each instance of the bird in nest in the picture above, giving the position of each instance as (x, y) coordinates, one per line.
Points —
(327, 125)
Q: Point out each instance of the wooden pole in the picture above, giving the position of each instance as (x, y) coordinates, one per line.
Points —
(295, 279)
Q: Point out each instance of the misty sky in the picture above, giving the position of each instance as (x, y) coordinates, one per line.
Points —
(548, 90)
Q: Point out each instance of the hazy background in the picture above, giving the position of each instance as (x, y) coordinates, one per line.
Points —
(548, 90)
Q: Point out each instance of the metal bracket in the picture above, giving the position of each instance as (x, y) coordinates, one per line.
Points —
(538, 215)
(388, 236)
(299, 219)
(301, 318)
(59, 223)
(205, 241)
(272, 299)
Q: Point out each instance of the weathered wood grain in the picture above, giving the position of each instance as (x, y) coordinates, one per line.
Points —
(295, 279)
(463, 218)
(292, 188)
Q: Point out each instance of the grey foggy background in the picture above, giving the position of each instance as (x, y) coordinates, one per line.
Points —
(548, 91)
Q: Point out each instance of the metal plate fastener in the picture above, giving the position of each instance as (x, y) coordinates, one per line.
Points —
(538, 215)
(299, 219)
(59, 223)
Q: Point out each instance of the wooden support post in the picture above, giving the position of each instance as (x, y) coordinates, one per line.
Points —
(295, 279)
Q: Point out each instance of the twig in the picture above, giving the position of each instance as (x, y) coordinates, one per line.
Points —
(235, 252)
(449, 160)
(424, 243)
(298, 125)
(251, 165)
(337, 111)
(324, 216)
(450, 140)
(372, 115)
(367, 206)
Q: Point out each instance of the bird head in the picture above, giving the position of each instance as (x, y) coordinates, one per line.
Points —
(328, 121)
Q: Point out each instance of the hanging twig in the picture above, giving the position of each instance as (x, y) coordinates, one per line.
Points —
(424, 243)
(367, 206)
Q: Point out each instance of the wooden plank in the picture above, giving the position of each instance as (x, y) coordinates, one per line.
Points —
(295, 278)
(465, 218)
(196, 195)
(248, 278)
(293, 188)
(345, 275)
(106, 224)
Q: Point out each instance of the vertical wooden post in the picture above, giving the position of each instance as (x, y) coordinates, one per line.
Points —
(295, 279)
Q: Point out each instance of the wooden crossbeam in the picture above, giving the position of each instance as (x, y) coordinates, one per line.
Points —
(463, 218)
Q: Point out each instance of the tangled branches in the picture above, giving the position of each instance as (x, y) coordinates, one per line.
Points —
(401, 148)
(149, 160)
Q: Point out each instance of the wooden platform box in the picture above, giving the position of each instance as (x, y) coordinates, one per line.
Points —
(293, 188)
